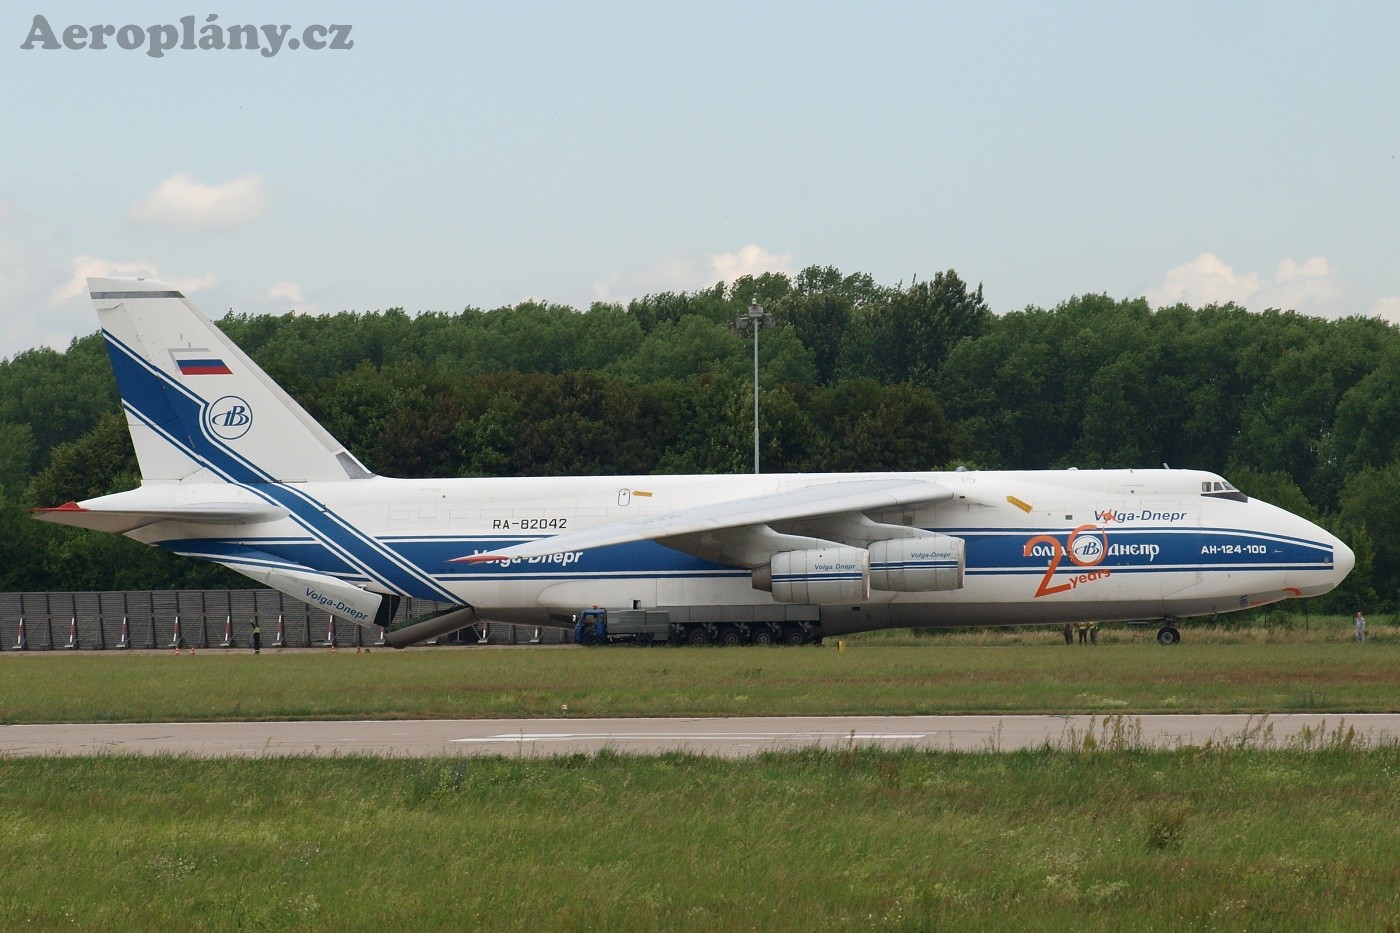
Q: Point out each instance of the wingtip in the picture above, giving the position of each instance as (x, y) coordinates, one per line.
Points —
(65, 507)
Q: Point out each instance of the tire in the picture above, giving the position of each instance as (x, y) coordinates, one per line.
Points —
(763, 635)
(793, 635)
(592, 641)
(1167, 635)
(731, 637)
(645, 639)
(697, 636)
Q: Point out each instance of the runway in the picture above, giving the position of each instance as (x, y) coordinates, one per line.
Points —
(730, 738)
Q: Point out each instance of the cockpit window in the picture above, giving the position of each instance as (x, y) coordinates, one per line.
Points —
(1219, 489)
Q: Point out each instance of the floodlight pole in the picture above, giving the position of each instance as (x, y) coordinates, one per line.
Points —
(756, 319)
(756, 329)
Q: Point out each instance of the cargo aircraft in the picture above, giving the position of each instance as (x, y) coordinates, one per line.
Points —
(234, 471)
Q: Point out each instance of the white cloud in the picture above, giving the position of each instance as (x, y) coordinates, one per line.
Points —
(1387, 309)
(182, 203)
(1312, 287)
(676, 273)
(669, 274)
(289, 291)
(750, 260)
(288, 295)
(90, 266)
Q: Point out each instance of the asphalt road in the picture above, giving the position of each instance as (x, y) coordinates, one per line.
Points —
(736, 737)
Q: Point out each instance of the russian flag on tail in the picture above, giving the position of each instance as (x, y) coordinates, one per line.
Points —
(203, 366)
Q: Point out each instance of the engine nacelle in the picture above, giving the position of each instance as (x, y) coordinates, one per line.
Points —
(917, 565)
(822, 575)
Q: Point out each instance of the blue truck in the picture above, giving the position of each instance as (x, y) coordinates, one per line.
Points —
(636, 626)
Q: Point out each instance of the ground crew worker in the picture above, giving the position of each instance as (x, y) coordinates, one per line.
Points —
(1360, 627)
(257, 637)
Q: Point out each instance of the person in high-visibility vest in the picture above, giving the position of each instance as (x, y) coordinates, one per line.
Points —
(257, 637)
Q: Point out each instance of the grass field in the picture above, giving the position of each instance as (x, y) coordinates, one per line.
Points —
(1033, 672)
(1222, 839)
(1075, 838)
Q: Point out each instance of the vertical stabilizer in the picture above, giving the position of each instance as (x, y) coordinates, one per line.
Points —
(198, 408)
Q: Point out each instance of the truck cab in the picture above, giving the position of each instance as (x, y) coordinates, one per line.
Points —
(591, 627)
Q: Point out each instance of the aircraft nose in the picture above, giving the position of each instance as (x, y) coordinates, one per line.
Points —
(1343, 559)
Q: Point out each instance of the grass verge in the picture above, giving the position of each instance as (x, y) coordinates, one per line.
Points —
(1132, 839)
(869, 678)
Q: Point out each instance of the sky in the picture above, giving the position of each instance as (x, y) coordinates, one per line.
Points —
(480, 154)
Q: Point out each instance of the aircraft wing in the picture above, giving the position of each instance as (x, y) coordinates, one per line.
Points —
(844, 497)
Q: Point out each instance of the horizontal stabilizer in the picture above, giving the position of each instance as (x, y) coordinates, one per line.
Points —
(102, 514)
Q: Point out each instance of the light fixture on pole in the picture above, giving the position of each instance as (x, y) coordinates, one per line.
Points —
(756, 319)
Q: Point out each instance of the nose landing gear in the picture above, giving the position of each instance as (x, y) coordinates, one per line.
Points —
(1168, 634)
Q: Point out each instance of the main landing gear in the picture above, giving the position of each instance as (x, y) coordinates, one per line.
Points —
(1168, 634)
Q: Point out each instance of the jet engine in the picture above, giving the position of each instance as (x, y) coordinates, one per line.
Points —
(917, 565)
(821, 575)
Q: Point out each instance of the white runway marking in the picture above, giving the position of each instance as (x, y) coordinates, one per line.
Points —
(691, 736)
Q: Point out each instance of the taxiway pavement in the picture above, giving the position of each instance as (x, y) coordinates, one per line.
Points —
(735, 737)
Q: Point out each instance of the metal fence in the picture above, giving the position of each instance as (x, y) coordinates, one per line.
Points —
(209, 619)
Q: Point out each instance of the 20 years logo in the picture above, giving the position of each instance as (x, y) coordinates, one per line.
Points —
(1087, 547)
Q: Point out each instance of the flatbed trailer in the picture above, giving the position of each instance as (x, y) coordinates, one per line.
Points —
(700, 625)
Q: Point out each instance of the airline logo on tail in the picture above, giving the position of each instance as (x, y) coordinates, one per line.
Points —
(230, 417)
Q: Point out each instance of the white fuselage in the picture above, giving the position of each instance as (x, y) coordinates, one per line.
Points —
(1041, 547)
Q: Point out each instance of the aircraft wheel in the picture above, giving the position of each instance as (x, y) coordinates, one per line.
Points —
(698, 636)
(793, 635)
(763, 635)
(1166, 635)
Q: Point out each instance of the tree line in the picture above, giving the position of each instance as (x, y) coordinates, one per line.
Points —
(856, 375)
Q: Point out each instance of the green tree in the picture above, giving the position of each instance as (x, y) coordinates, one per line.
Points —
(100, 462)
(907, 335)
(1371, 499)
(1366, 432)
(866, 426)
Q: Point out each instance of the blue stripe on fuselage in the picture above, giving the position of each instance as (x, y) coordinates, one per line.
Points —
(1143, 549)
(996, 552)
